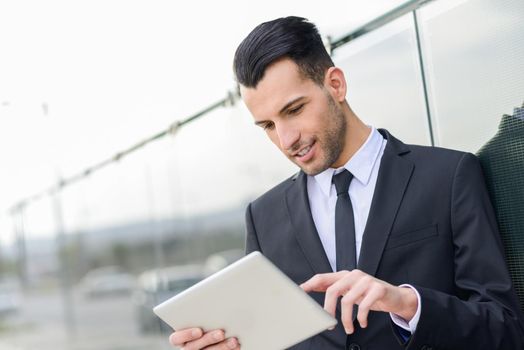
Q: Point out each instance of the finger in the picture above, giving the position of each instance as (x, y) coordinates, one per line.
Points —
(361, 286)
(347, 303)
(373, 301)
(228, 344)
(340, 288)
(180, 337)
(209, 338)
(336, 290)
(364, 307)
(320, 282)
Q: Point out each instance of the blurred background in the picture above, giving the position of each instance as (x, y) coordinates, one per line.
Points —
(127, 160)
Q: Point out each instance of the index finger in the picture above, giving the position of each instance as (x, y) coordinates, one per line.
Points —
(178, 338)
(322, 281)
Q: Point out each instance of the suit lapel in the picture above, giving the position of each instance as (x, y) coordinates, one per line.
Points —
(392, 181)
(297, 203)
(393, 178)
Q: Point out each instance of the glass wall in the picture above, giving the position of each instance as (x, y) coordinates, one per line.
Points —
(95, 268)
(475, 67)
(384, 82)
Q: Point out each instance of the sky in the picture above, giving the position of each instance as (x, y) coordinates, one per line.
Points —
(82, 80)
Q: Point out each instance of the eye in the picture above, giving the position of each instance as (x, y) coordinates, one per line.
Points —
(296, 109)
(268, 126)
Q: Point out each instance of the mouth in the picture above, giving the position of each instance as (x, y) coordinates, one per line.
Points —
(305, 153)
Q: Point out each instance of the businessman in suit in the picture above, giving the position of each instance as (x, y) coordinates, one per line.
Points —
(398, 241)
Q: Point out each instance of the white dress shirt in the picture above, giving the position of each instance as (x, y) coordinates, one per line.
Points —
(364, 166)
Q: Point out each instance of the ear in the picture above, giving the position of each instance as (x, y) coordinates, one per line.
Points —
(335, 83)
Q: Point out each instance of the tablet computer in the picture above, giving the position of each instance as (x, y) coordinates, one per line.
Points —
(252, 300)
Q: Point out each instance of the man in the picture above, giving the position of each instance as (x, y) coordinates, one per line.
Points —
(415, 221)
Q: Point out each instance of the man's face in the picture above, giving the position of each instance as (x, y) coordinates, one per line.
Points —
(300, 117)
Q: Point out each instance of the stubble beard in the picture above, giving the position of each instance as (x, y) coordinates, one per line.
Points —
(331, 140)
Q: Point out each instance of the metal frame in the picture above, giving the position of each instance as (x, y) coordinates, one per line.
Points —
(386, 18)
(233, 96)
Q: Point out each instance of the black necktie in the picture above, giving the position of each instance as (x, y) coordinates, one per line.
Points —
(344, 223)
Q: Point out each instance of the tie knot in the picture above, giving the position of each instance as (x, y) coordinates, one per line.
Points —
(342, 181)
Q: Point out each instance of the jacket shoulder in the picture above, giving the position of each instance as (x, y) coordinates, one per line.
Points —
(420, 154)
(436, 155)
(275, 195)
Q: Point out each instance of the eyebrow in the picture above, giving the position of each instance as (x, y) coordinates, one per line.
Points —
(290, 103)
(283, 109)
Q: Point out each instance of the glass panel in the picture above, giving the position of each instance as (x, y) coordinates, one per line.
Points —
(475, 61)
(384, 82)
(476, 71)
(137, 232)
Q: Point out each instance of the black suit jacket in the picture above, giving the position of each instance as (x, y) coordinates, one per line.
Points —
(431, 224)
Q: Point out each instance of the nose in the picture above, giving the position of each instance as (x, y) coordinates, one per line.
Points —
(287, 136)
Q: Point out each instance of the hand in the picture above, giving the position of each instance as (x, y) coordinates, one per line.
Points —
(368, 292)
(195, 338)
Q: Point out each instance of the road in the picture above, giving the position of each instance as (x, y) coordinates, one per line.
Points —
(107, 323)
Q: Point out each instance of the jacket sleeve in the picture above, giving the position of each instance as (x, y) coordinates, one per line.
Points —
(251, 235)
(484, 312)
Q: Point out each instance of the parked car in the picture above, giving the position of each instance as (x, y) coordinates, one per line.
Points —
(156, 286)
(107, 281)
(9, 297)
(217, 261)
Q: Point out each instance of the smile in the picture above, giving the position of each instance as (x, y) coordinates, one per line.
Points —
(305, 154)
(304, 151)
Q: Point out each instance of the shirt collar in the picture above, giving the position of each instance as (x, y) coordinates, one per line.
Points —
(360, 164)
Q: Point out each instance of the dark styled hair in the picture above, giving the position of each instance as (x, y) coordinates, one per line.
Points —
(288, 37)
